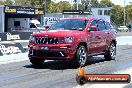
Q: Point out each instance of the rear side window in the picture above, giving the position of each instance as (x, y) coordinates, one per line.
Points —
(107, 26)
(100, 25)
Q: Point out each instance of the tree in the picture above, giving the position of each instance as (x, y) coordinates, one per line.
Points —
(32, 3)
(83, 3)
(8, 2)
(94, 2)
(22, 3)
(58, 7)
(86, 3)
(106, 3)
(117, 16)
(63, 5)
(1, 3)
(52, 7)
(129, 13)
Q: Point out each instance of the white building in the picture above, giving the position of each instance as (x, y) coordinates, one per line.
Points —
(101, 12)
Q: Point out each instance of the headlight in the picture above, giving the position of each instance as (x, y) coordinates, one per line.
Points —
(66, 40)
(32, 39)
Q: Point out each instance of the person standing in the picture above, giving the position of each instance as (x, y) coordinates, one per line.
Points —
(130, 27)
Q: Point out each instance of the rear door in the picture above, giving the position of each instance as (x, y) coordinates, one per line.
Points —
(103, 34)
(108, 32)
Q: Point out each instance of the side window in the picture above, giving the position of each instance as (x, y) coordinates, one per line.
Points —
(99, 12)
(93, 23)
(100, 25)
(107, 25)
(106, 12)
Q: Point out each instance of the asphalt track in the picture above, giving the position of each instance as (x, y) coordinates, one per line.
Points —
(60, 74)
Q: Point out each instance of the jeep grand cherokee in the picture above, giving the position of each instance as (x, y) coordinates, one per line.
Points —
(73, 39)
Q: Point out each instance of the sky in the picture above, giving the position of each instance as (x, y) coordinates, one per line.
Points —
(117, 2)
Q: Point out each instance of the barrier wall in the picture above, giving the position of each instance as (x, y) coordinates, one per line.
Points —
(9, 36)
(8, 49)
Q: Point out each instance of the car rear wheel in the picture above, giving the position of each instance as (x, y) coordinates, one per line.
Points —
(81, 56)
(37, 61)
(111, 54)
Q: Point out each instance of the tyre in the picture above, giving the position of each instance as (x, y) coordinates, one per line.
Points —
(37, 61)
(111, 54)
(81, 56)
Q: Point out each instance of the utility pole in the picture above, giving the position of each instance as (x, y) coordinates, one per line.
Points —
(77, 7)
(71, 4)
(77, 4)
(124, 13)
(45, 7)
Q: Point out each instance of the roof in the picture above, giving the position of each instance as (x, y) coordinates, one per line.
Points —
(101, 7)
(80, 18)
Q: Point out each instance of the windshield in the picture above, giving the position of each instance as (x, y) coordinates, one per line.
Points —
(69, 24)
(39, 25)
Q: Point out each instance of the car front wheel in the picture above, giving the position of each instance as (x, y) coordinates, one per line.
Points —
(81, 56)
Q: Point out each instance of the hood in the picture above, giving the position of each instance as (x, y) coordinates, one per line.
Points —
(58, 33)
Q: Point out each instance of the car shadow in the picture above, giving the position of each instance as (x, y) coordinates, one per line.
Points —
(62, 65)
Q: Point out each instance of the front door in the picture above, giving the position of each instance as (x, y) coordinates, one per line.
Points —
(97, 38)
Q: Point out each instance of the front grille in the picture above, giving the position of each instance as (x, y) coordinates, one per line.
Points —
(46, 40)
(48, 54)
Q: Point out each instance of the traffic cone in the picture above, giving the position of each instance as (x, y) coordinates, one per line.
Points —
(80, 77)
(81, 71)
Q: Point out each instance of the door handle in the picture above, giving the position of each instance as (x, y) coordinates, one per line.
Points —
(107, 32)
(99, 36)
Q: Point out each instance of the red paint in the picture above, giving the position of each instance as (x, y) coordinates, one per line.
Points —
(97, 42)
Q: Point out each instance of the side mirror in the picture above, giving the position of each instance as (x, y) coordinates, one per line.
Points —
(93, 28)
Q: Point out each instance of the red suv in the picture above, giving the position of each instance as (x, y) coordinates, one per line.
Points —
(73, 39)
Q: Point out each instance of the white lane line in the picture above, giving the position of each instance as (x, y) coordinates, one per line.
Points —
(110, 85)
(13, 58)
(15, 41)
(13, 61)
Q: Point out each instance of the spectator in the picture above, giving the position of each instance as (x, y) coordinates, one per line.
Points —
(130, 27)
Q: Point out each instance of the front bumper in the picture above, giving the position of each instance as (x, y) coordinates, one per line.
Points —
(60, 52)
